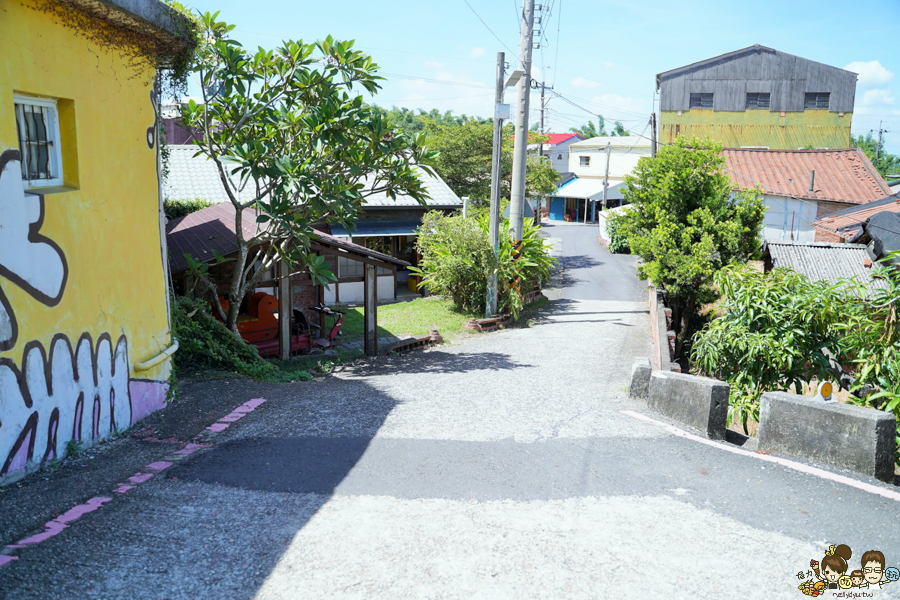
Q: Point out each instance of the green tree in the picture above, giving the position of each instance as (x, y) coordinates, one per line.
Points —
(410, 121)
(886, 164)
(590, 130)
(465, 154)
(685, 224)
(287, 124)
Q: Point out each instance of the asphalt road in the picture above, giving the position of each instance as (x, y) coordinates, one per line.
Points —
(502, 467)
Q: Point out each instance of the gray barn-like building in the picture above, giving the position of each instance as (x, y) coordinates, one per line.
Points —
(758, 97)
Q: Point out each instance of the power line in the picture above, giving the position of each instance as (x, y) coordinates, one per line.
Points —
(441, 81)
(491, 30)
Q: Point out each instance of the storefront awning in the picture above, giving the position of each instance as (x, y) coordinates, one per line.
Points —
(378, 227)
(590, 189)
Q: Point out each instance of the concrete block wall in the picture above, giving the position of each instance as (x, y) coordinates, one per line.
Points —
(662, 336)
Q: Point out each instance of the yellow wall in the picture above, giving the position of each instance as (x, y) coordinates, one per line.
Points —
(818, 128)
(108, 226)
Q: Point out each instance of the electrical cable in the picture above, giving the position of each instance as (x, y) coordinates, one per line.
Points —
(489, 29)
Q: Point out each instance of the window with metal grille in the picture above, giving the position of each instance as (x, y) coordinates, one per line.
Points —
(584, 161)
(701, 100)
(37, 126)
(347, 267)
(757, 100)
(817, 100)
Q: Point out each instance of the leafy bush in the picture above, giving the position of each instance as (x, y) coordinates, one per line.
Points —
(205, 343)
(618, 237)
(780, 330)
(457, 260)
(771, 336)
(175, 209)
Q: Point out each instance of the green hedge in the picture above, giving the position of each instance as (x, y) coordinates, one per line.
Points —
(618, 241)
(175, 209)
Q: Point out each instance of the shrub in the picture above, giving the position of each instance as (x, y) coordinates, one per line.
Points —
(175, 209)
(205, 343)
(618, 239)
(457, 260)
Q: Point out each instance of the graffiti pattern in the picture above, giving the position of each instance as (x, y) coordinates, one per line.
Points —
(81, 395)
(31, 261)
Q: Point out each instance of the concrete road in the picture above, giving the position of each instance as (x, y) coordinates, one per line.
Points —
(509, 466)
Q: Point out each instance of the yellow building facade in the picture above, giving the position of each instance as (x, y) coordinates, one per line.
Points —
(85, 341)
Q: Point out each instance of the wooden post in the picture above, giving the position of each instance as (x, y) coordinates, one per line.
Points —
(284, 310)
(370, 316)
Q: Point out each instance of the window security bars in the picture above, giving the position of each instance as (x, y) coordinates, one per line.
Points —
(757, 101)
(35, 141)
(817, 101)
(701, 100)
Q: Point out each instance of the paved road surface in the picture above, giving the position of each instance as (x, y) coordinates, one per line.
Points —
(503, 467)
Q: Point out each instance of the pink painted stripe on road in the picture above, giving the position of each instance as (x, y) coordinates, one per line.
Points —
(161, 465)
(140, 477)
(216, 427)
(6, 559)
(190, 449)
(123, 488)
(254, 403)
(60, 523)
(860, 485)
(231, 418)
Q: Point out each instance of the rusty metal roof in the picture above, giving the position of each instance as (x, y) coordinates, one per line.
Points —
(205, 232)
(848, 223)
(841, 175)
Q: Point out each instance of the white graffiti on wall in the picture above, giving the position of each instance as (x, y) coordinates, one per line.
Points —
(82, 396)
(31, 261)
(82, 393)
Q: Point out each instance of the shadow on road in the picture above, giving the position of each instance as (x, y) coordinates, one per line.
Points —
(435, 361)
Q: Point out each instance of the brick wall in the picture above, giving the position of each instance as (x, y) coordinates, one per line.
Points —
(823, 235)
(826, 208)
(304, 296)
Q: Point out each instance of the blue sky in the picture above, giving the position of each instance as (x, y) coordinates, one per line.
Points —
(601, 55)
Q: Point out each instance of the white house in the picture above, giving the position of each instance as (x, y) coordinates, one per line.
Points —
(587, 162)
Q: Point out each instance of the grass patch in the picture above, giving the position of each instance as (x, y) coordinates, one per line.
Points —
(418, 317)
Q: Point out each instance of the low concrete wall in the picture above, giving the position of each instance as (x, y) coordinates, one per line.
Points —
(852, 437)
(696, 401)
(663, 338)
(640, 378)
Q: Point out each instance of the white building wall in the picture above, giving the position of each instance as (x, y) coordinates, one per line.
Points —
(353, 292)
(622, 161)
(785, 216)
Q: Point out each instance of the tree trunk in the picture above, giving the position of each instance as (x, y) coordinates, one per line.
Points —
(684, 324)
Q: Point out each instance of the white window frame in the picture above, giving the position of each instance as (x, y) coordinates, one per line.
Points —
(55, 155)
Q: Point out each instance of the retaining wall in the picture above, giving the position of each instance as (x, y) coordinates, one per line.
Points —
(663, 337)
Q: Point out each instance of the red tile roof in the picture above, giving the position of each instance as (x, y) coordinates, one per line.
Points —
(841, 175)
(556, 138)
(212, 229)
(848, 223)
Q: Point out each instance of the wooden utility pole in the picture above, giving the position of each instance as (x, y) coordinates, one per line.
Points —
(653, 134)
(284, 309)
(370, 310)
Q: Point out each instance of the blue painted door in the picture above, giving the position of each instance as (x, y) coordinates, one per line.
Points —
(557, 209)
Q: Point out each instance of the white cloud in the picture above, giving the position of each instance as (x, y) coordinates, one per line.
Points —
(610, 64)
(434, 65)
(871, 73)
(585, 84)
(477, 52)
(877, 98)
(614, 103)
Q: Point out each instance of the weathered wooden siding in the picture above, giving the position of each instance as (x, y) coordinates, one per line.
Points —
(757, 69)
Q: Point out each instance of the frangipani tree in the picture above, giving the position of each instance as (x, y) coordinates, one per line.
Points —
(291, 138)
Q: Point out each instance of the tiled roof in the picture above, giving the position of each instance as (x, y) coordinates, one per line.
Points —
(841, 175)
(192, 177)
(848, 223)
(559, 138)
(211, 230)
(820, 261)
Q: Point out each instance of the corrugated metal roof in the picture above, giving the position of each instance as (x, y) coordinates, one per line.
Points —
(192, 177)
(841, 175)
(378, 227)
(820, 261)
(592, 189)
(847, 223)
(205, 232)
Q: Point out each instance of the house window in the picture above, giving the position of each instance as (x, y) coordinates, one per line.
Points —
(817, 101)
(701, 100)
(37, 124)
(347, 267)
(559, 157)
(757, 100)
(584, 161)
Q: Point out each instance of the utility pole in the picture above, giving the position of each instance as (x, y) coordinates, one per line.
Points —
(653, 134)
(491, 308)
(520, 148)
(537, 215)
(606, 177)
(881, 131)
